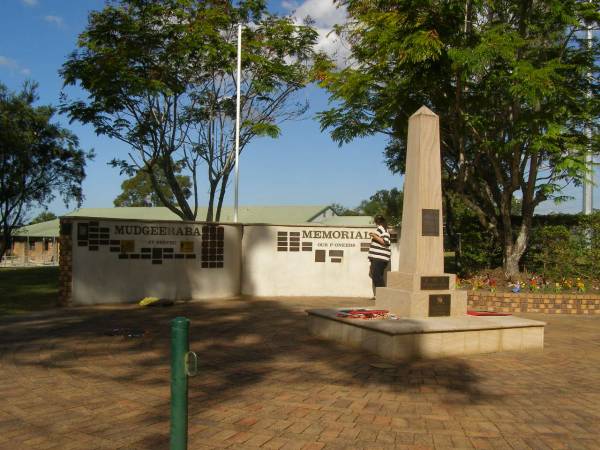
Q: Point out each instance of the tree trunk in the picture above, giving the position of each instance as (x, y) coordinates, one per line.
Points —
(222, 195)
(450, 228)
(163, 198)
(5, 241)
(168, 170)
(3, 247)
(211, 201)
(513, 251)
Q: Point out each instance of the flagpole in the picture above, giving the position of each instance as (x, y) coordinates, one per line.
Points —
(237, 123)
(588, 182)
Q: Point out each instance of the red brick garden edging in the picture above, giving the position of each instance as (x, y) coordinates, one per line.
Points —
(561, 303)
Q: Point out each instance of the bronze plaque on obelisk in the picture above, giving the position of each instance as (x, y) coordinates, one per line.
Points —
(439, 305)
(430, 222)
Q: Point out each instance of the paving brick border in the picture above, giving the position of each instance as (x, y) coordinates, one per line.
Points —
(535, 302)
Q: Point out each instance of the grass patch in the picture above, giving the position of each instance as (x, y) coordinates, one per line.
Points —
(28, 289)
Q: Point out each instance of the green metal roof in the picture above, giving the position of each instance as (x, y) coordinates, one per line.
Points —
(42, 229)
(279, 215)
(246, 214)
(351, 221)
(143, 213)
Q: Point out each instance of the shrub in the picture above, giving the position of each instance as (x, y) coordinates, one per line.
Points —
(571, 249)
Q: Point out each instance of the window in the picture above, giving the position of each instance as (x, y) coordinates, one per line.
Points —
(31, 245)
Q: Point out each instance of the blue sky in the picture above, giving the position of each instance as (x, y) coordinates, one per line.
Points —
(303, 166)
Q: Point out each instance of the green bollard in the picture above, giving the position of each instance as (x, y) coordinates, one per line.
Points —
(180, 327)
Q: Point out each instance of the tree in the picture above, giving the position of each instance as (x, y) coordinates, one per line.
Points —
(43, 217)
(38, 159)
(384, 202)
(509, 80)
(138, 190)
(161, 77)
(341, 210)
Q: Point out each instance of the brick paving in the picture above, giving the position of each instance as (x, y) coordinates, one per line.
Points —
(265, 383)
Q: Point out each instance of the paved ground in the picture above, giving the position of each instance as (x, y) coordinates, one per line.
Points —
(263, 382)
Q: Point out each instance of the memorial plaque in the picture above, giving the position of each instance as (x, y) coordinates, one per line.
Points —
(128, 246)
(319, 255)
(439, 305)
(186, 246)
(435, 283)
(430, 222)
(82, 231)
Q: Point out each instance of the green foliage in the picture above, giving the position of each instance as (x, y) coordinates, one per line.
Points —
(341, 210)
(563, 251)
(476, 247)
(43, 217)
(561, 245)
(161, 76)
(508, 80)
(38, 159)
(139, 191)
(384, 202)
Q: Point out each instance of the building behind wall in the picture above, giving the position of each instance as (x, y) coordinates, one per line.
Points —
(35, 245)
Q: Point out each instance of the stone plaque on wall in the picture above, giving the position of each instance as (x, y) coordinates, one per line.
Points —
(186, 246)
(439, 305)
(320, 256)
(430, 222)
(82, 231)
(127, 246)
(435, 283)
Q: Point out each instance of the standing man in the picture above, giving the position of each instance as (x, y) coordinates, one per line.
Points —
(379, 252)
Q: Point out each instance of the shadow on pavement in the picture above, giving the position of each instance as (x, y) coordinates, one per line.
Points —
(241, 343)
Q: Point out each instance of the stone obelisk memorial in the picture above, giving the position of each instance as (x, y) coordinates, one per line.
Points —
(420, 288)
(430, 317)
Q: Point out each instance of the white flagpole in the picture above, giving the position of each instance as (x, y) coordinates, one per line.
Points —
(588, 183)
(237, 123)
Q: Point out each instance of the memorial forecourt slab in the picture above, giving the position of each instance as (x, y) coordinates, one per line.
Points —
(431, 337)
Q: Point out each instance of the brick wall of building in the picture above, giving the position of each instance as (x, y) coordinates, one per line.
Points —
(66, 263)
(36, 250)
(535, 302)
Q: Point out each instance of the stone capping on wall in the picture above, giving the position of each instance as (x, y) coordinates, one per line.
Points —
(559, 303)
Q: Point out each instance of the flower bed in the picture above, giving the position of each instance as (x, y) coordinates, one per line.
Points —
(559, 303)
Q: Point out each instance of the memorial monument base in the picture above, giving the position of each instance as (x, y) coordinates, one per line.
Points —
(420, 305)
(434, 337)
(414, 295)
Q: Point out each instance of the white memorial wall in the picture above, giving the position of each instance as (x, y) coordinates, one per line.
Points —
(116, 261)
(306, 261)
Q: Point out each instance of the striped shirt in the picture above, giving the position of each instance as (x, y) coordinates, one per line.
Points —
(378, 251)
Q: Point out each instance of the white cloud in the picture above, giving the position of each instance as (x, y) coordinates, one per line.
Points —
(325, 14)
(55, 20)
(30, 2)
(290, 6)
(13, 66)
